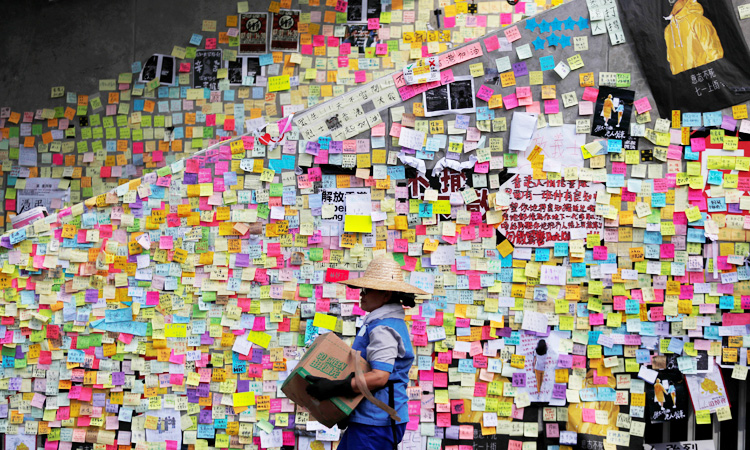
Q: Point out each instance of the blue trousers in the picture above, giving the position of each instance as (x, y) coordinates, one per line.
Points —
(370, 437)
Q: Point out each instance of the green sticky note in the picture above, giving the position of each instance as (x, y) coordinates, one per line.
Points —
(510, 159)
(305, 290)
(315, 254)
(277, 189)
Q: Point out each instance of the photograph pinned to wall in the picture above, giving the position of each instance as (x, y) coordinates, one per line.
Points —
(361, 10)
(253, 33)
(161, 66)
(206, 69)
(285, 31)
(359, 36)
(692, 52)
(244, 70)
(453, 98)
(612, 113)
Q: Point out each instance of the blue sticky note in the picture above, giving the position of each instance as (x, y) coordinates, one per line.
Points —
(690, 155)
(712, 119)
(542, 254)
(578, 269)
(715, 177)
(266, 59)
(614, 146)
(196, 39)
(691, 119)
(561, 249)
(547, 62)
(717, 204)
(658, 200)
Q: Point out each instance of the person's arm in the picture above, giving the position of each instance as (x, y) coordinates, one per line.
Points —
(375, 379)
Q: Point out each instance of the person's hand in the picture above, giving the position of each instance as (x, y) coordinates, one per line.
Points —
(323, 388)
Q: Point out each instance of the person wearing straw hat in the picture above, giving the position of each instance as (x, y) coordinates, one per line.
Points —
(384, 342)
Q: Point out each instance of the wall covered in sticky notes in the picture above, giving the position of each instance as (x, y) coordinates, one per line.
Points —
(585, 262)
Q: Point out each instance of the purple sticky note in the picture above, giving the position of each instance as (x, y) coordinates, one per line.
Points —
(520, 69)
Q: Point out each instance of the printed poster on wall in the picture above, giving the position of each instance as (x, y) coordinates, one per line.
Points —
(206, 69)
(542, 212)
(285, 31)
(692, 52)
(254, 33)
(612, 113)
(667, 398)
(707, 390)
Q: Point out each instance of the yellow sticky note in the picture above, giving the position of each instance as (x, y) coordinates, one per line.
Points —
(357, 224)
(258, 338)
(280, 83)
(703, 416)
(505, 248)
(477, 70)
(243, 398)
(175, 330)
(324, 321)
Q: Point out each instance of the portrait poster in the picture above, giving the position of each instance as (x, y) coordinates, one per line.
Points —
(253, 33)
(692, 52)
(206, 69)
(285, 31)
(667, 398)
(612, 113)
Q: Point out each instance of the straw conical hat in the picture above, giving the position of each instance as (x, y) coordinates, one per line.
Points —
(384, 274)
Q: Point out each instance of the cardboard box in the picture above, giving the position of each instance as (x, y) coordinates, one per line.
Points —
(328, 357)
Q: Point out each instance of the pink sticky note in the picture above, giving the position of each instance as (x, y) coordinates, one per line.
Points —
(485, 93)
(512, 34)
(483, 167)
(506, 19)
(590, 94)
(585, 108)
(642, 105)
(551, 106)
(319, 41)
(373, 24)
(523, 91)
(510, 101)
(333, 41)
(345, 49)
(446, 76)
(381, 49)
(360, 76)
(697, 144)
(491, 43)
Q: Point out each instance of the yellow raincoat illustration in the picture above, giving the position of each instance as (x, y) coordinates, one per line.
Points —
(690, 37)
